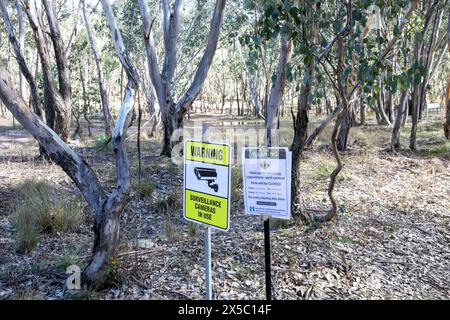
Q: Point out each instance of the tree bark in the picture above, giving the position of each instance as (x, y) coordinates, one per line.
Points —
(399, 114)
(300, 132)
(344, 130)
(362, 112)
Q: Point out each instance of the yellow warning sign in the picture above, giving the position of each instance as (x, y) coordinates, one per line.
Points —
(207, 209)
(207, 183)
(207, 152)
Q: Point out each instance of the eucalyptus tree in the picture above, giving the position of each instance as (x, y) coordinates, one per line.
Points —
(341, 42)
(172, 111)
(105, 209)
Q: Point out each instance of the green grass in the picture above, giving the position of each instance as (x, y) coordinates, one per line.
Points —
(171, 231)
(192, 229)
(347, 240)
(145, 188)
(38, 210)
(27, 232)
(441, 149)
(323, 171)
(102, 143)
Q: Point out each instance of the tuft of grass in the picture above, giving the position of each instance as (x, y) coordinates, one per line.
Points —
(171, 231)
(37, 210)
(102, 143)
(323, 171)
(441, 149)
(170, 203)
(192, 229)
(347, 240)
(145, 188)
(67, 216)
(31, 188)
(67, 259)
(27, 232)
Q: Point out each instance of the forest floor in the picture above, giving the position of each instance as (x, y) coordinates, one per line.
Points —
(390, 239)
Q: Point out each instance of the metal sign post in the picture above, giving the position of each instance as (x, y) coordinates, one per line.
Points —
(208, 286)
(206, 196)
(267, 258)
(208, 277)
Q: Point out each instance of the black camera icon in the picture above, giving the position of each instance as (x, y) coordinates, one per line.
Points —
(209, 175)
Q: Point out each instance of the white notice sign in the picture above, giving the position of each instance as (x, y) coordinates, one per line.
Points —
(267, 181)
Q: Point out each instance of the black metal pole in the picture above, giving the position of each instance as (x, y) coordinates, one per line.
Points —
(267, 258)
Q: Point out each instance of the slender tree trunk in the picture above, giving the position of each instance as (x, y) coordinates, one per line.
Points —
(21, 47)
(344, 130)
(63, 118)
(298, 143)
(85, 103)
(106, 227)
(138, 142)
(419, 45)
(399, 114)
(277, 91)
(362, 111)
(109, 123)
(447, 112)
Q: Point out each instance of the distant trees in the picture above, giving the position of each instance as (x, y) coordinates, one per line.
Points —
(172, 111)
(57, 102)
(109, 123)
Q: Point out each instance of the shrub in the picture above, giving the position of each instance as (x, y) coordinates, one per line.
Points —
(67, 216)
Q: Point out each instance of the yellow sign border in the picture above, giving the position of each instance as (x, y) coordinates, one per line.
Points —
(196, 159)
